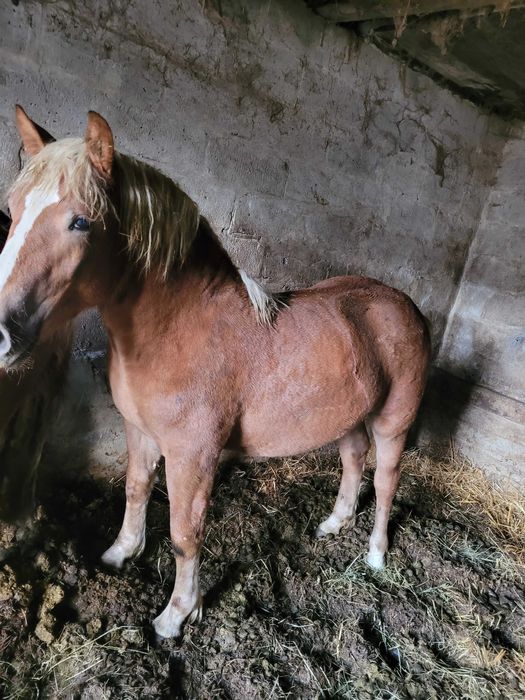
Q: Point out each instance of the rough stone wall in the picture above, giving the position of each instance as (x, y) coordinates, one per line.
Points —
(484, 343)
(312, 153)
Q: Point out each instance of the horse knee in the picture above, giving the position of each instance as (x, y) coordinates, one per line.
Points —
(137, 489)
(189, 498)
(186, 537)
(183, 541)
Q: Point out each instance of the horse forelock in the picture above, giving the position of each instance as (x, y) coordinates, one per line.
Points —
(64, 165)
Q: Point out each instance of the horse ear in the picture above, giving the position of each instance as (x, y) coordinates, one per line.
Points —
(99, 141)
(34, 137)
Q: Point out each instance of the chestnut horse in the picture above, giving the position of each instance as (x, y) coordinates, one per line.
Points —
(201, 358)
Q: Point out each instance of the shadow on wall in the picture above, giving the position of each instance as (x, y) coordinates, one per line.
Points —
(444, 403)
(88, 437)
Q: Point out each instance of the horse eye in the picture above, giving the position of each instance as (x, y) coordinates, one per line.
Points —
(79, 223)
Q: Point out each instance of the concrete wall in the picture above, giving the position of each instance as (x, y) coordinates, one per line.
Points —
(312, 153)
(483, 350)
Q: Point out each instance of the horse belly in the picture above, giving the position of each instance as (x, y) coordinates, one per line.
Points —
(301, 414)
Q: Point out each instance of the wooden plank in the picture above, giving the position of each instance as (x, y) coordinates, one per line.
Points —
(361, 10)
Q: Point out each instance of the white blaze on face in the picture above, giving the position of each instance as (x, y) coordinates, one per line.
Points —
(35, 203)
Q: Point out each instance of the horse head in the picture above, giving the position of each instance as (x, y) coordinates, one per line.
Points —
(59, 209)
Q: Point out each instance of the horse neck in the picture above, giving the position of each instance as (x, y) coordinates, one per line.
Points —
(208, 261)
(141, 302)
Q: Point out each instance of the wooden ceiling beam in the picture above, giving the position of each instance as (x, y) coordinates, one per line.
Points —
(362, 10)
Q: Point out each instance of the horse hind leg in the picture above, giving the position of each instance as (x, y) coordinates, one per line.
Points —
(389, 449)
(353, 448)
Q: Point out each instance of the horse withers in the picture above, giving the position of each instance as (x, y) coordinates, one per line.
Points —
(200, 357)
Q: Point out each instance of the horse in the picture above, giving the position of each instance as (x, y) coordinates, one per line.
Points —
(28, 401)
(201, 358)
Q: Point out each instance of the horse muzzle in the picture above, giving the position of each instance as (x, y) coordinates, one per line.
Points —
(15, 347)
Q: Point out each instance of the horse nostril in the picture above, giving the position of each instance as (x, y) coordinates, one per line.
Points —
(5, 341)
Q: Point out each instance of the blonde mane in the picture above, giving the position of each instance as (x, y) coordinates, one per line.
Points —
(158, 220)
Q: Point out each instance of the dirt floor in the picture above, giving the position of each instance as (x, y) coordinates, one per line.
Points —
(286, 615)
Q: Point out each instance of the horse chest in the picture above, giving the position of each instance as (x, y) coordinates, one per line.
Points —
(126, 395)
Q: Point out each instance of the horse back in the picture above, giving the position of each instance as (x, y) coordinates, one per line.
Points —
(330, 360)
(384, 313)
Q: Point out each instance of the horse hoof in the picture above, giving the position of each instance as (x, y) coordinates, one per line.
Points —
(118, 553)
(333, 526)
(376, 560)
(320, 533)
(166, 627)
(114, 557)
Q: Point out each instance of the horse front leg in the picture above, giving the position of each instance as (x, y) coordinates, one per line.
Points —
(143, 456)
(189, 479)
